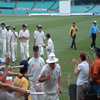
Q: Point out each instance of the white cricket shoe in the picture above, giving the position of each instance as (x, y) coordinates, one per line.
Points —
(91, 48)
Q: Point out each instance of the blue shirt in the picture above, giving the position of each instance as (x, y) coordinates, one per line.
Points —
(94, 29)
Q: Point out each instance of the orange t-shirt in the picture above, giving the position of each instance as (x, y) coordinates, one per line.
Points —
(95, 70)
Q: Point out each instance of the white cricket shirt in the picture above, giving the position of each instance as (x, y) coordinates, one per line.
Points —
(35, 66)
(3, 33)
(50, 46)
(28, 34)
(9, 33)
(13, 37)
(25, 34)
(51, 85)
(39, 37)
(35, 32)
(0, 32)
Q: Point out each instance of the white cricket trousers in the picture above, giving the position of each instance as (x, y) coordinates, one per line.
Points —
(36, 87)
(3, 45)
(54, 96)
(28, 55)
(23, 46)
(8, 48)
(14, 51)
(48, 53)
(41, 50)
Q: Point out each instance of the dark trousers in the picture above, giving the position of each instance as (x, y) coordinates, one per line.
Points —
(73, 41)
(93, 40)
(95, 89)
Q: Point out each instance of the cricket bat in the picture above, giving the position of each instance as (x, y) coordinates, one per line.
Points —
(34, 93)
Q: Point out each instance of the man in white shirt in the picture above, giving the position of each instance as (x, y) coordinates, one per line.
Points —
(0, 37)
(28, 42)
(3, 34)
(50, 45)
(39, 40)
(51, 76)
(8, 39)
(36, 63)
(35, 32)
(82, 71)
(23, 36)
(13, 41)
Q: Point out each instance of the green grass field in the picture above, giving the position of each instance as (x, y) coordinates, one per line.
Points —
(59, 27)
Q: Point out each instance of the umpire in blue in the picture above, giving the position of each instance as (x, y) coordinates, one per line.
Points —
(93, 31)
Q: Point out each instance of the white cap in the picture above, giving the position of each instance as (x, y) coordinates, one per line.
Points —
(39, 26)
(52, 59)
(94, 21)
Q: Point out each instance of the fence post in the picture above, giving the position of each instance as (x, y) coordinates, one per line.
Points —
(68, 86)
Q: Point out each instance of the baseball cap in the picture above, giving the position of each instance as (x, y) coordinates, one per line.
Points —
(24, 25)
(14, 27)
(24, 69)
(25, 63)
(73, 22)
(48, 35)
(7, 26)
(94, 21)
(3, 23)
(97, 50)
(39, 26)
(35, 48)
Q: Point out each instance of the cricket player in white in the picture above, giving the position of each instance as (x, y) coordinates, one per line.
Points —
(8, 39)
(0, 36)
(3, 35)
(50, 45)
(51, 76)
(13, 41)
(39, 40)
(23, 36)
(36, 63)
(35, 32)
(28, 42)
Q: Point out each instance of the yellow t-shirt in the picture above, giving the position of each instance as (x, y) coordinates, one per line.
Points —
(73, 30)
(22, 83)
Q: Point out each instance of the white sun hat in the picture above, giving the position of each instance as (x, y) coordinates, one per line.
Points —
(52, 59)
(94, 21)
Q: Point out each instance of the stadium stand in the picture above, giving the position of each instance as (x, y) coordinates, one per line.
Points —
(55, 6)
(6, 11)
(51, 6)
(33, 12)
(25, 4)
(80, 9)
(45, 12)
(96, 9)
(20, 12)
(44, 5)
(5, 4)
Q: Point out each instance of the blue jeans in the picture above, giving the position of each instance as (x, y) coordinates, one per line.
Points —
(95, 89)
(73, 41)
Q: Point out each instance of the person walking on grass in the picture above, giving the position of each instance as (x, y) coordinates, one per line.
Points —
(51, 76)
(39, 39)
(13, 41)
(36, 64)
(23, 36)
(72, 33)
(93, 31)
